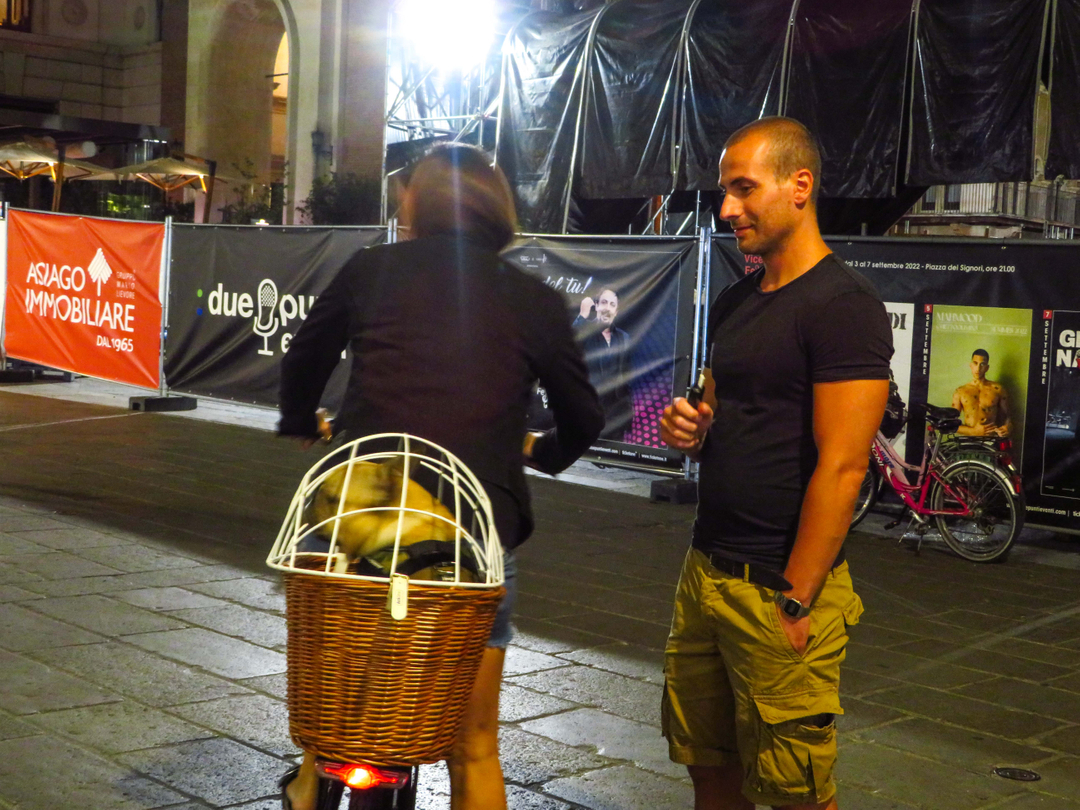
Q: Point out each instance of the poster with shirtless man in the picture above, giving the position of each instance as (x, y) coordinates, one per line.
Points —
(979, 359)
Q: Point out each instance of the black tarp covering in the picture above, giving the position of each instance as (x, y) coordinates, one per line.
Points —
(1064, 156)
(539, 113)
(975, 77)
(631, 95)
(735, 50)
(848, 63)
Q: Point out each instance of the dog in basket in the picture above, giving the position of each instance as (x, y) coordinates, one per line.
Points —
(366, 538)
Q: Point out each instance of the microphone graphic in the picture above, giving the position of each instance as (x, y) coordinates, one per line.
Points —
(265, 320)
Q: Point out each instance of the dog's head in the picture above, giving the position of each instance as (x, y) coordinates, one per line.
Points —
(370, 485)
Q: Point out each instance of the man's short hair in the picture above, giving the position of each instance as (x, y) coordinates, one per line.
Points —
(791, 147)
(983, 353)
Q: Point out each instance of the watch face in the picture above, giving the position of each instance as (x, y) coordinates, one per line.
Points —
(791, 608)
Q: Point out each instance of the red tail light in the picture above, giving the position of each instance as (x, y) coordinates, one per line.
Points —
(364, 777)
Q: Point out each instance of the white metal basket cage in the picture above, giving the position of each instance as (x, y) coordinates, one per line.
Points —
(458, 510)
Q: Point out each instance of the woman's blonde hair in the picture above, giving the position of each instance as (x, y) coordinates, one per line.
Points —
(455, 190)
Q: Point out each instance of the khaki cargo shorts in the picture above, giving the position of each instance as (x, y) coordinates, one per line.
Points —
(736, 690)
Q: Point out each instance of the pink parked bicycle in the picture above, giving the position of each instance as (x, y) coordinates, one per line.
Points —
(969, 487)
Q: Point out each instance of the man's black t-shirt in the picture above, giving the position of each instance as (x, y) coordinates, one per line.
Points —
(766, 354)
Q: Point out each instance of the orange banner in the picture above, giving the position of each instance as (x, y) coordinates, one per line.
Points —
(83, 295)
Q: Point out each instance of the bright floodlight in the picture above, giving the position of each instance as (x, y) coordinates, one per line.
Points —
(450, 34)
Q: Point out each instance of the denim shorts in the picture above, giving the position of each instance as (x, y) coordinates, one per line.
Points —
(502, 631)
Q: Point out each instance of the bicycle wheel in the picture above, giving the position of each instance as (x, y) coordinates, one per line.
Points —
(868, 495)
(997, 515)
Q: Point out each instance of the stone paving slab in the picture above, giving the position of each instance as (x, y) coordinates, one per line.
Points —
(260, 593)
(520, 661)
(58, 565)
(621, 658)
(610, 736)
(625, 697)
(87, 781)
(116, 728)
(948, 744)
(12, 728)
(263, 629)
(900, 775)
(23, 629)
(1067, 740)
(530, 759)
(1059, 778)
(517, 704)
(221, 772)
(273, 685)
(224, 656)
(30, 687)
(977, 715)
(132, 559)
(72, 539)
(620, 787)
(256, 720)
(139, 674)
(102, 615)
(13, 593)
(168, 599)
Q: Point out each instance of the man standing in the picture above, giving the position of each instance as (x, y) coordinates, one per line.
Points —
(799, 361)
(983, 403)
(607, 354)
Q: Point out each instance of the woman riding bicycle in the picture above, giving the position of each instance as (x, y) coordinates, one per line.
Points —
(447, 342)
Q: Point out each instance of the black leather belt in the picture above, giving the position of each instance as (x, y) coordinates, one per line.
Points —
(750, 572)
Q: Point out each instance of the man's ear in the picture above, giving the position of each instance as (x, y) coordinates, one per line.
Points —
(804, 187)
(397, 466)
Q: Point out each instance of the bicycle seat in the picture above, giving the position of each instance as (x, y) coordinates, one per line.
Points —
(945, 420)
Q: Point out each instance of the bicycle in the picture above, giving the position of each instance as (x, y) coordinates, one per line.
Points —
(967, 485)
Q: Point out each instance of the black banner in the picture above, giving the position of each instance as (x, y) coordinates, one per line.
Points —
(237, 294)
(1014, 302)
(631, 301)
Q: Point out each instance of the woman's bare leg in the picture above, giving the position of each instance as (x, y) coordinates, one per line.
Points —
(303, 791)
(476, 780)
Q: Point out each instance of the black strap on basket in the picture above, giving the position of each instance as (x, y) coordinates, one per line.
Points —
(418, 556)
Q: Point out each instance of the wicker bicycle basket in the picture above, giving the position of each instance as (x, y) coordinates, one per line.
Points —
(365, 684)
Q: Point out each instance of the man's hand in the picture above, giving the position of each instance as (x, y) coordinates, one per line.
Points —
(683, 426)
(586, 307)
(797, 630)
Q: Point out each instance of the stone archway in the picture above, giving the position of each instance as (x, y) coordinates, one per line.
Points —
(233, 47)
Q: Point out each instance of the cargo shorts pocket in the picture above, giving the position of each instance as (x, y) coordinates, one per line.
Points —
(853, 610)
(796, 749)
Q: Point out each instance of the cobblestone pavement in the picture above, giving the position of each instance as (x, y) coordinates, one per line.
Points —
(142, 638)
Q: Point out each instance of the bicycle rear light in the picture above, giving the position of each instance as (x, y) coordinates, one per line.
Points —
(364, 777)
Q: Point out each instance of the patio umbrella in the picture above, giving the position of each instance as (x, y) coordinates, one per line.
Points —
(26, 159)
(168, 174)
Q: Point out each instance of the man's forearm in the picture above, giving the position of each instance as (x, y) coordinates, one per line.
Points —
(823, 525)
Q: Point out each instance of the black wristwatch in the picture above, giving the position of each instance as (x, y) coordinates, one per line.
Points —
(792, 607)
